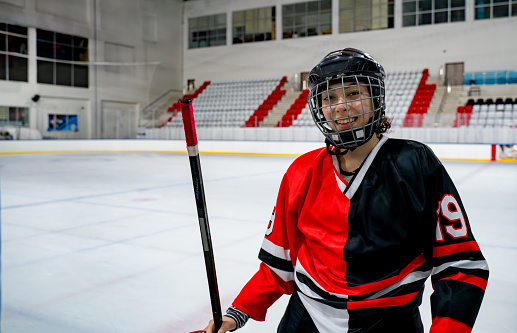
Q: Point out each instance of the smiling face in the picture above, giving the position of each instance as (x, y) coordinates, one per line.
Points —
(346, 106)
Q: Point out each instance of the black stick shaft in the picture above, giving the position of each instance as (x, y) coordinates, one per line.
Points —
(199, 193)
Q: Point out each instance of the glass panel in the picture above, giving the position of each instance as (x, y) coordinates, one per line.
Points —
(326, 29)
(300, 31)
(18, 116)
(326, 5)
(362, 13)
(299, 8)
(514, 9)
(425, 5)
(501, 11)
(16, 29)
(457, 3)
(441, 4)
(237, 18)
(362, 25)
(326, 18)
(346, 26)
(440, 17)
(482, 2)
(17, 44)
(63, 39)
(64, 52)
(3, 42)
(346, 4)
(221, 20)
(500, 1)
(80, 76)
(391, 9)
(63, 74)
(45, 35)
(192, 23)
(299, 20)
(424, 19)
(80, 54)
(457, 15)
(482, 13)
(3, 67)
(312, 7)
(18, 68)
(3, 27)
(312, 20)
(409, 20)
(45, 49)
(347, 15)
(391, 22)
(80, 41)
(409, 7)
(287, 10)
(45, 72)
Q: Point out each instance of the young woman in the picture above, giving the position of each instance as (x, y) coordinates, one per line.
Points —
(360, 225)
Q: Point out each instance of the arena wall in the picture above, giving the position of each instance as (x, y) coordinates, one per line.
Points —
(466, 152)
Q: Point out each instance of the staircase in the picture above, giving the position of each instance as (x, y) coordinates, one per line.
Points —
(280, 108)
(447, 113)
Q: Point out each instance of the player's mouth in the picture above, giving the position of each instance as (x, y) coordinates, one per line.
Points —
(345, 123)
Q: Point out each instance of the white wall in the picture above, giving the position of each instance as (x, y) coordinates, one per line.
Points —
(148, 32)
(481, 45)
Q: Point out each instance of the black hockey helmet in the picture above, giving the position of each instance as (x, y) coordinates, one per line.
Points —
(353, 67)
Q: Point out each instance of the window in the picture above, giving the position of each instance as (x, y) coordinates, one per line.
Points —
(13, 52)
(207, 31)
(253, 25)
(307, 19)
(361, 15)
(14, 116)
(62, 59)
(487, 9)
(423, 12)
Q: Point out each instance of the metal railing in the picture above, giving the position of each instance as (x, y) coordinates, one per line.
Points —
(152, 112)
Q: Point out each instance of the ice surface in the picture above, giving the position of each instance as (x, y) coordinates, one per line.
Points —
(109, 242)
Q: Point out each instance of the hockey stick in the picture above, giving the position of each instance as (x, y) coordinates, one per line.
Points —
(197, 180)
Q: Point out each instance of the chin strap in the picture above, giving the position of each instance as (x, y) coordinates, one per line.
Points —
(331, 150)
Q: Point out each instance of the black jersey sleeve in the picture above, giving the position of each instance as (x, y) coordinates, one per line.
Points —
(460, 272)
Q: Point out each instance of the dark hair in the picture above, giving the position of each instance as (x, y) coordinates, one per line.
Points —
(384, 125)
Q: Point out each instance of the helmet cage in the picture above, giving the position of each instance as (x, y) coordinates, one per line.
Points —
(350, 137)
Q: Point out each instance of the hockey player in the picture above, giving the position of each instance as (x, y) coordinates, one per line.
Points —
(360, 225)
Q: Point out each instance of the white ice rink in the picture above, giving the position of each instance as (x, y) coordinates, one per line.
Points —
(109, 242)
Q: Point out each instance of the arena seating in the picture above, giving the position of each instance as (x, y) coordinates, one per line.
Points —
(500, 77)
(267, 105)
(234, 102)
(245, 103)
(407, 99)
(487, 113)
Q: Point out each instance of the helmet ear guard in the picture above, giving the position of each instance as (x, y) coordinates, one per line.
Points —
(355, 68)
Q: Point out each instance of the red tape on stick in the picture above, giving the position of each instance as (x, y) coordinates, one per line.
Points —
(187, 112)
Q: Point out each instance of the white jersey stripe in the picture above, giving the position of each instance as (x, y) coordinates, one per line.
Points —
(326, 318)
(410, 278)
(305, 289)
(340, 183)
(286, 276)
(468, 264)
(362, 172)
(276, 250)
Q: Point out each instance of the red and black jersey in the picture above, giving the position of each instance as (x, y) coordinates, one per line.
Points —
(362, 249)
